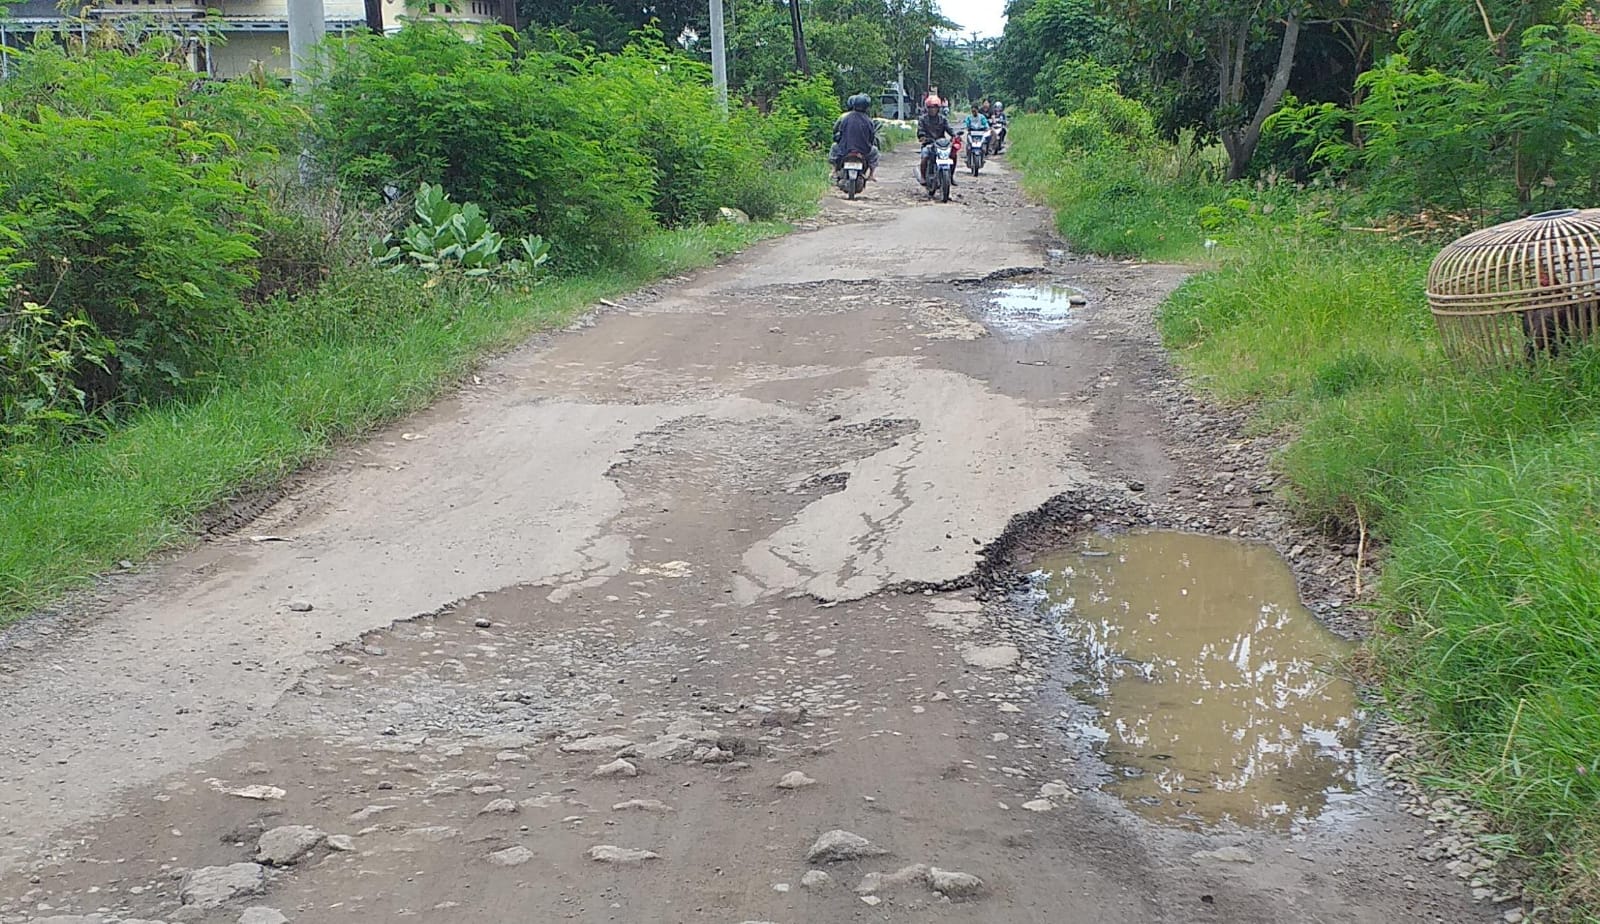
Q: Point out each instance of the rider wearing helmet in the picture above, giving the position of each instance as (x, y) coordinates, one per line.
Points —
(997, 122)
(930, 128)
(854, 131)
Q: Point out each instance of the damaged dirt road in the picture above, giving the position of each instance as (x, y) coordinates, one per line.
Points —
(622, 631)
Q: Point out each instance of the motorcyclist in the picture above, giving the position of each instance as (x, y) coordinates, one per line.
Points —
(976, 122)
(998, 120)
(930, 128)
(854, 131)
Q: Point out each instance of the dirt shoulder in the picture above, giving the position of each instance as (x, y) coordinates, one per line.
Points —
(748, 528)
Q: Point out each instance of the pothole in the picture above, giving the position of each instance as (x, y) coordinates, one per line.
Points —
(1025, 309)
(1212, 693)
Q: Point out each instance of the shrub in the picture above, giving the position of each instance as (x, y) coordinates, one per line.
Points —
(130, 213)
(518, 135)
(701, 158)
(811, 104)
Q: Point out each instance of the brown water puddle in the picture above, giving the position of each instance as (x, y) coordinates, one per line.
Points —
(1216, 690)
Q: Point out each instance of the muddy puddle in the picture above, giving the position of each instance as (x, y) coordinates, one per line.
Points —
(1025, 309)
(1211, 692)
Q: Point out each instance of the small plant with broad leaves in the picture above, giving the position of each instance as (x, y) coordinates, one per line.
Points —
(43, 358)
(455, 240)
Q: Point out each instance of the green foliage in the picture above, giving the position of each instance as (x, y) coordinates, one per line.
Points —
(43, 357)
(1112, 196)
(1517, 138)
(1094, 114)
(133, 223)
(665, 109)
(519, 135)
(853, 45)
(449, 240)
(812, 107)
(1040, 37)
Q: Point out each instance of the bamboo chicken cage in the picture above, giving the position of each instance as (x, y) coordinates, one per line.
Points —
(1519, 291)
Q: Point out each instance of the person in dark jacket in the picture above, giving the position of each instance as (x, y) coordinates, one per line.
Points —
(855, 132)
(930, 128)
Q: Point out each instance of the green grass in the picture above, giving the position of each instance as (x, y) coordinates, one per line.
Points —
(335, 364)
(1482, 487)
(1116, 202)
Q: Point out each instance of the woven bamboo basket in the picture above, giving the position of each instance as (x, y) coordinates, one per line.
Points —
(1520, 291)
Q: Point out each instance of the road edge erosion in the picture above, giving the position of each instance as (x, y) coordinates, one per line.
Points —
(1318, 348)
(175, 471)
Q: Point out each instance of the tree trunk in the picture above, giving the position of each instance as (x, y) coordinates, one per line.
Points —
(1240, 141)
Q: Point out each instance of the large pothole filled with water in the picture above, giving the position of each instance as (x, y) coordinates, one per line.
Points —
(1213, 695)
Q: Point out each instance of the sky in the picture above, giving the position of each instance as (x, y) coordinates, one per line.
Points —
(986, 17)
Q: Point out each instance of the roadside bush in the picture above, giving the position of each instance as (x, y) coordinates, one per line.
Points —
(428, 106)
(700, 158)
(132, 220)
(1521, 137)
(811, 105)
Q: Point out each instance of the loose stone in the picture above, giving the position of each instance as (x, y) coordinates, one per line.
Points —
(597, 745)
(500, 807)
(838, 845)
(211, 886)
(794, 779)
(606, 853)
(954, 884)
(511, 856)
(286, 845)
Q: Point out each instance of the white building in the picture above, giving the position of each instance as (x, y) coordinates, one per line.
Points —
(227, 38)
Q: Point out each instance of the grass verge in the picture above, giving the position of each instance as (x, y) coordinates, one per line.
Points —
(1480, 486)
(364, 350)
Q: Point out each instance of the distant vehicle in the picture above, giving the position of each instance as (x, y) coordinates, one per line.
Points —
(894, 103)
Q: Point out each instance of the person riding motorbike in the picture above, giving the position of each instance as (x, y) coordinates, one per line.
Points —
(977, 122)
(930, 128)
(854, 131)
(998, 120)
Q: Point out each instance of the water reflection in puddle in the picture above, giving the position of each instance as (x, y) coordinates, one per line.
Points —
(1024, 309)
(1213, 685)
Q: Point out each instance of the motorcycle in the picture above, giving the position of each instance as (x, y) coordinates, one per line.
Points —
(940, 170)
(852, 176)
(977, 149)
(997, 136)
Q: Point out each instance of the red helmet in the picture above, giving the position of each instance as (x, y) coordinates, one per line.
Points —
(935, 101)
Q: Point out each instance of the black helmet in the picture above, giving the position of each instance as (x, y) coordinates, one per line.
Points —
(859, 102)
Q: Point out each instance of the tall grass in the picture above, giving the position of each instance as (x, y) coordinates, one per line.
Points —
(333, 365)
(1484, 486)
(1122, 203)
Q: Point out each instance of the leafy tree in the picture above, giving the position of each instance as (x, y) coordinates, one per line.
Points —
(1222, 34)
(1039, 35)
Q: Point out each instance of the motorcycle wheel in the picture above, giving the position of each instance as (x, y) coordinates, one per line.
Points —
(851, 187)
(944, 186)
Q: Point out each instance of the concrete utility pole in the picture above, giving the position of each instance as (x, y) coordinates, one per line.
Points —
(307, 25)
(719, 55)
